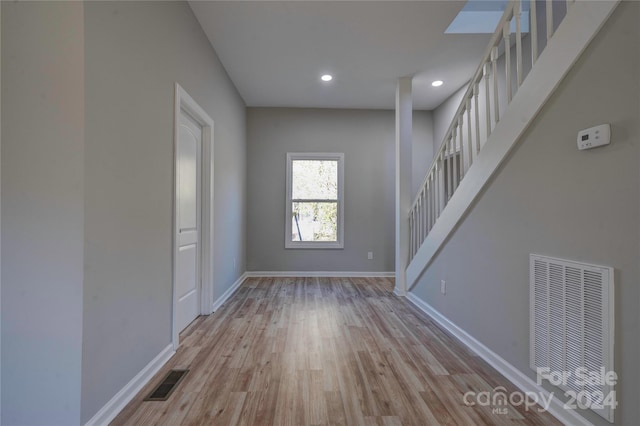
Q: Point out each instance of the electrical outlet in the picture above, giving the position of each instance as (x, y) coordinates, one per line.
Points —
(443, 287)
(370, 255)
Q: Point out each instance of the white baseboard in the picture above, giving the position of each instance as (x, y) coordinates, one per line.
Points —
(131, 389)
(515, 376)
(331, 274)
(398, 292)
(227, 294)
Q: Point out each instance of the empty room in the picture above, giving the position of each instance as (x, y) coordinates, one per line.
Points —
(319, 212)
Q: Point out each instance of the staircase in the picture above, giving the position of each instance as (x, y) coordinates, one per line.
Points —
(517, 75)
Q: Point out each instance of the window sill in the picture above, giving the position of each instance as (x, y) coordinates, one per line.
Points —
(313, 245)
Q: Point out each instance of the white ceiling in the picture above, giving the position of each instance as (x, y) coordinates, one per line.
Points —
(275, 51)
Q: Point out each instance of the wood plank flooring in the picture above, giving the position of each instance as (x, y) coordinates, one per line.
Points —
(324, 351)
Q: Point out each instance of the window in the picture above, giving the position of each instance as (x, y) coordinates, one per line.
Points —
(315, 208)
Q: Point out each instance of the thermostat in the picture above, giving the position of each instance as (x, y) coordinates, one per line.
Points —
(594, 137)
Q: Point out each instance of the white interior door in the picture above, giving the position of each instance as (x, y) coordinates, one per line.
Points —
(188, 175)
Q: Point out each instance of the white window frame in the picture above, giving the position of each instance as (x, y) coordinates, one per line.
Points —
(331, 156)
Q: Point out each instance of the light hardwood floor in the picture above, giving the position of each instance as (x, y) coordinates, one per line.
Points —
(320, 351)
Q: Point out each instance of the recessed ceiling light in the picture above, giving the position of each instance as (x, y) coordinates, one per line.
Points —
(326, 77)
(437, 83)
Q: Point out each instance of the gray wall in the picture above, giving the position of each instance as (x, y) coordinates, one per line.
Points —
(135, 51)
(549, 198)
(42, 212)
(443, 115)
(367, 140)
(422, 150)
(367, 137)
(87, 195)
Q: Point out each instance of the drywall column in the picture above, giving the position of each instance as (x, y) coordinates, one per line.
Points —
(42, 211)
(404, 133)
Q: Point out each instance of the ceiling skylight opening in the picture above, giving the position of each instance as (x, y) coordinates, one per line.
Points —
(437, 83)
(326, 77)
(482, 17)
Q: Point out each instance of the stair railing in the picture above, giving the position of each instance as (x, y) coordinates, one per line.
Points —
(487, 96)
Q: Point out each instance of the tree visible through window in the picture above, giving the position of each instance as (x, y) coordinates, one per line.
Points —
(314, 200)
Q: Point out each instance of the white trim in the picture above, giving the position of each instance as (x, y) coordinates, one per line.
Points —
(570, 40)
(116, 404)
(515, 376)
(227, 294)
(329, 156)
(399, 292)
(185, 102)
(329, 274)
(0, 228)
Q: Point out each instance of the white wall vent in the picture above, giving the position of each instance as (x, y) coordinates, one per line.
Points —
(571, 329)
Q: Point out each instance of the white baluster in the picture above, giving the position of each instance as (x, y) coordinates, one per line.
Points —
(494, 66)
(461, 158)
(432, 198)
(449, 170)
(549, 19)
(442, 200)
(425, 211)
(420, 209)
(533, 31)
(506, 34)
(427, 207)
(417, 244)
(418, 227)
(469, 135)
(486, 73)
(476, 95)
(454, 159)
(442, 175)
(415, 232)
(411, 234)
(428, 215)
(517, 16)
(436, 193)
(434, 189)
(423, 214)
(438, 187)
